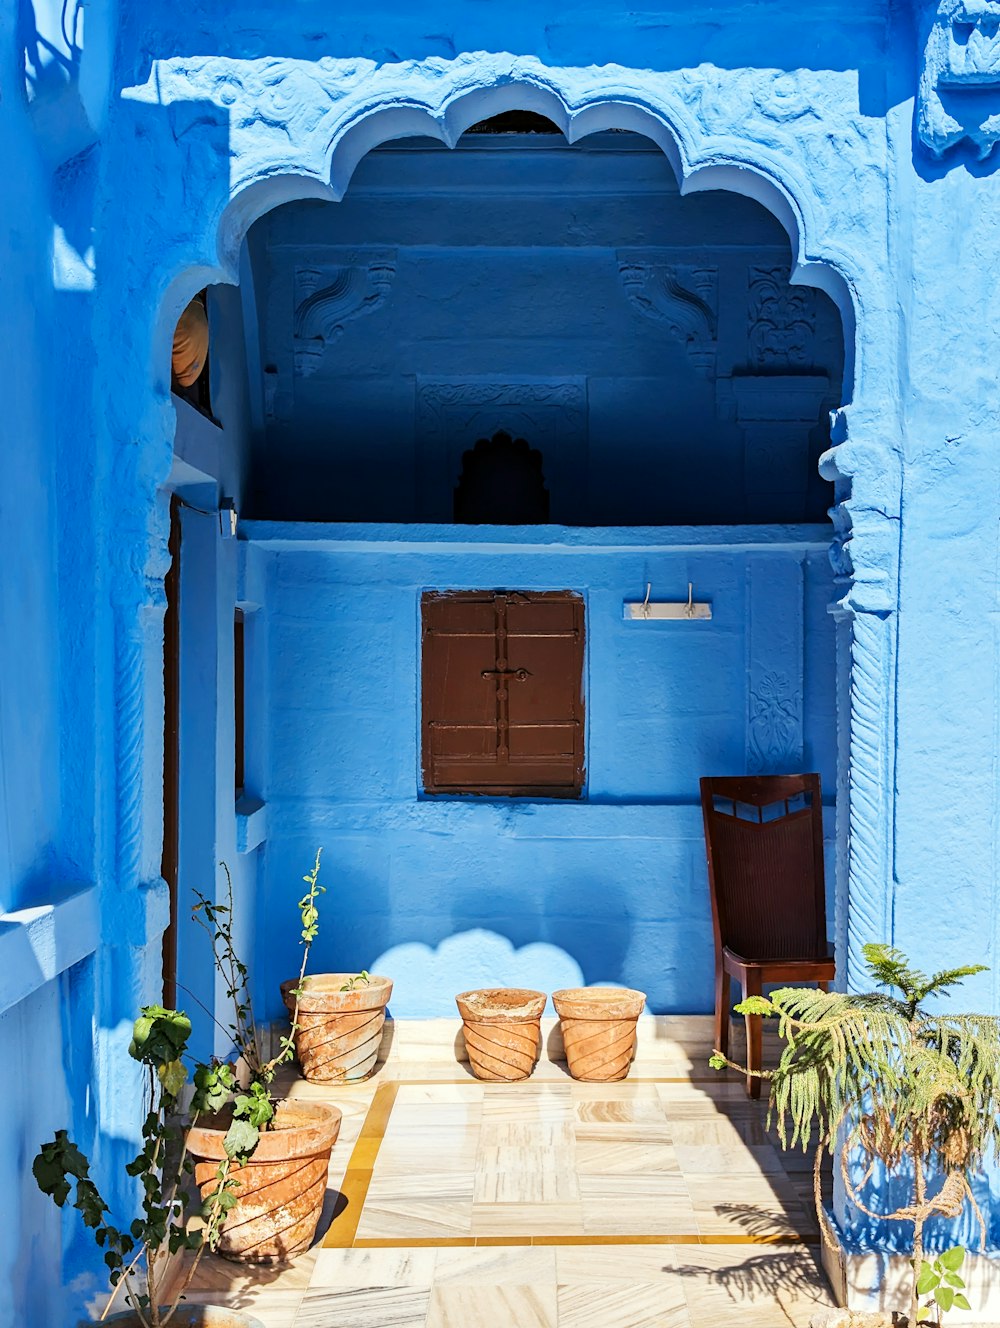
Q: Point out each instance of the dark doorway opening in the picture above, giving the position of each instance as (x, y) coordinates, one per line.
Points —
(501, 484)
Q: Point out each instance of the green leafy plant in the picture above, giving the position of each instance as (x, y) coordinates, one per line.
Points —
(881, 1079)
(941, 1281)
(362, 979)
(246, 1087)
(137, 1258)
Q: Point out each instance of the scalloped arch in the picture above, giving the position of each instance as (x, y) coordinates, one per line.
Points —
(757, 174)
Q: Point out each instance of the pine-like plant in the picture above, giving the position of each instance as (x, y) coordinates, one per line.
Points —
(881, 1078)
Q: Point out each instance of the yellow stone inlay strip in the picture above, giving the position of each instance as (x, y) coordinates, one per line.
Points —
(358, 1176)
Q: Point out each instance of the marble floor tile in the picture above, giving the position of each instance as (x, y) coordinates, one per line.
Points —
(519, 1265)
(394, 1184)
(618, 1111)
(640, 1215)
(373, 1307)
(415, 1219)
(717, 1132)
(440, 1094)
(552, 1179)
(506, 1306)
(616, 1263)
(215, 1274)
(604, 1158)
(624, 1187)
(359, 1268)
(612, 1305)
(275, 1309)
(531, 1219)
(732, 1160)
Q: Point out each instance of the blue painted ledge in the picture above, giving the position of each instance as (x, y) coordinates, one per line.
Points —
(37, 944)
(251, 823)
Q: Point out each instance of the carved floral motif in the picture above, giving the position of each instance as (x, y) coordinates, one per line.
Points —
(327, 298)
(682, 296)
(782, 320)
(959, 94)
(774, 728)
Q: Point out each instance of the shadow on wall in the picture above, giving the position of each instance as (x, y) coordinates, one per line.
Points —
(427, 978)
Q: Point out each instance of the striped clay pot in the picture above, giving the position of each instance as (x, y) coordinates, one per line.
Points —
(502, 1030)
(598, 1029)
(339, 1031)
(281, 1188)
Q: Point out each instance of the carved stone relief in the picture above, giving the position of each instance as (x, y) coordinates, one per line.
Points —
(326, 298)
(959, 94)
(683, 296)
(774, 728)
(782, 321)
(452, 415)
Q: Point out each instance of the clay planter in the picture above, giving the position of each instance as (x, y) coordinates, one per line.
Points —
(502, 1030)
(189, 1316)
(339, 1031)
(282, 1187)
(598, 1028)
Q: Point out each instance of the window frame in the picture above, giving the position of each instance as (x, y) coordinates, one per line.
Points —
(432, 787)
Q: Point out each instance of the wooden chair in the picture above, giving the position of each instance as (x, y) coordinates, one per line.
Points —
(764, 839)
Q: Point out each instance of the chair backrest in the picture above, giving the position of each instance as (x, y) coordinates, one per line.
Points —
(764, 839)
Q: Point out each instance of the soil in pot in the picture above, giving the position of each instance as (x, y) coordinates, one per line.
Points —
(502, 1030)
(598, 1029)
(339, 1031)
(189, 1316)
(282, 1187)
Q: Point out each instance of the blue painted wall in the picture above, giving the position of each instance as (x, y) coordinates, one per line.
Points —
(140, 146)
(610, 888)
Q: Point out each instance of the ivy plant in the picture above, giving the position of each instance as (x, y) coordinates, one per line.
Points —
(246, 1087)
(137, 1256)
(942, 1282)
(881, 1078)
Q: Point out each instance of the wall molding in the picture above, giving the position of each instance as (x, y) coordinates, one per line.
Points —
(37, 944)
(684, 297)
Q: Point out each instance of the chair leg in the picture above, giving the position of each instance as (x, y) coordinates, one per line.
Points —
(721, 1008)
(755, 1054)
(823, 986)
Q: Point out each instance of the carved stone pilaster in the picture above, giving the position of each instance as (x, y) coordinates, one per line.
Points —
(682, 296)
(327, 298)
(776, 413)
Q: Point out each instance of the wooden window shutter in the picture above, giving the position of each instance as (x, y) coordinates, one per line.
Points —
(502, 689)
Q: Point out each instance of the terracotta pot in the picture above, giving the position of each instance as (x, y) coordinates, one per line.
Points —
(502, 1030)
(189, 1316)
(339, 1031)
(282, 1187)
(598, 1028)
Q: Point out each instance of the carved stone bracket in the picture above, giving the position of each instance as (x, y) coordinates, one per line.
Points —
(326, 298)
(682, 296)
(959, 94)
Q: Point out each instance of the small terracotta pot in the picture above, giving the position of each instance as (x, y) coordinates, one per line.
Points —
(281, 1188)
(598, 1029)
(189, 1316)
(502, 1030)
(339, 1031)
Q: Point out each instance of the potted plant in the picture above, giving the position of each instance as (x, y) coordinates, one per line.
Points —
(271, 1158)
(502, 1028)
(140, 1258)
(881, 1082)
(337, 1018)
(598, 1028)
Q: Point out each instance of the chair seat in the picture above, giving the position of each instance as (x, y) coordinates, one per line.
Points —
(824, 962)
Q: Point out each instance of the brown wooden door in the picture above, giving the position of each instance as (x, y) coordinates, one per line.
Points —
(171, 749)
(502, 687)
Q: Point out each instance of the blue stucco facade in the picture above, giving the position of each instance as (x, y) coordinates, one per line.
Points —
(602, 296)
